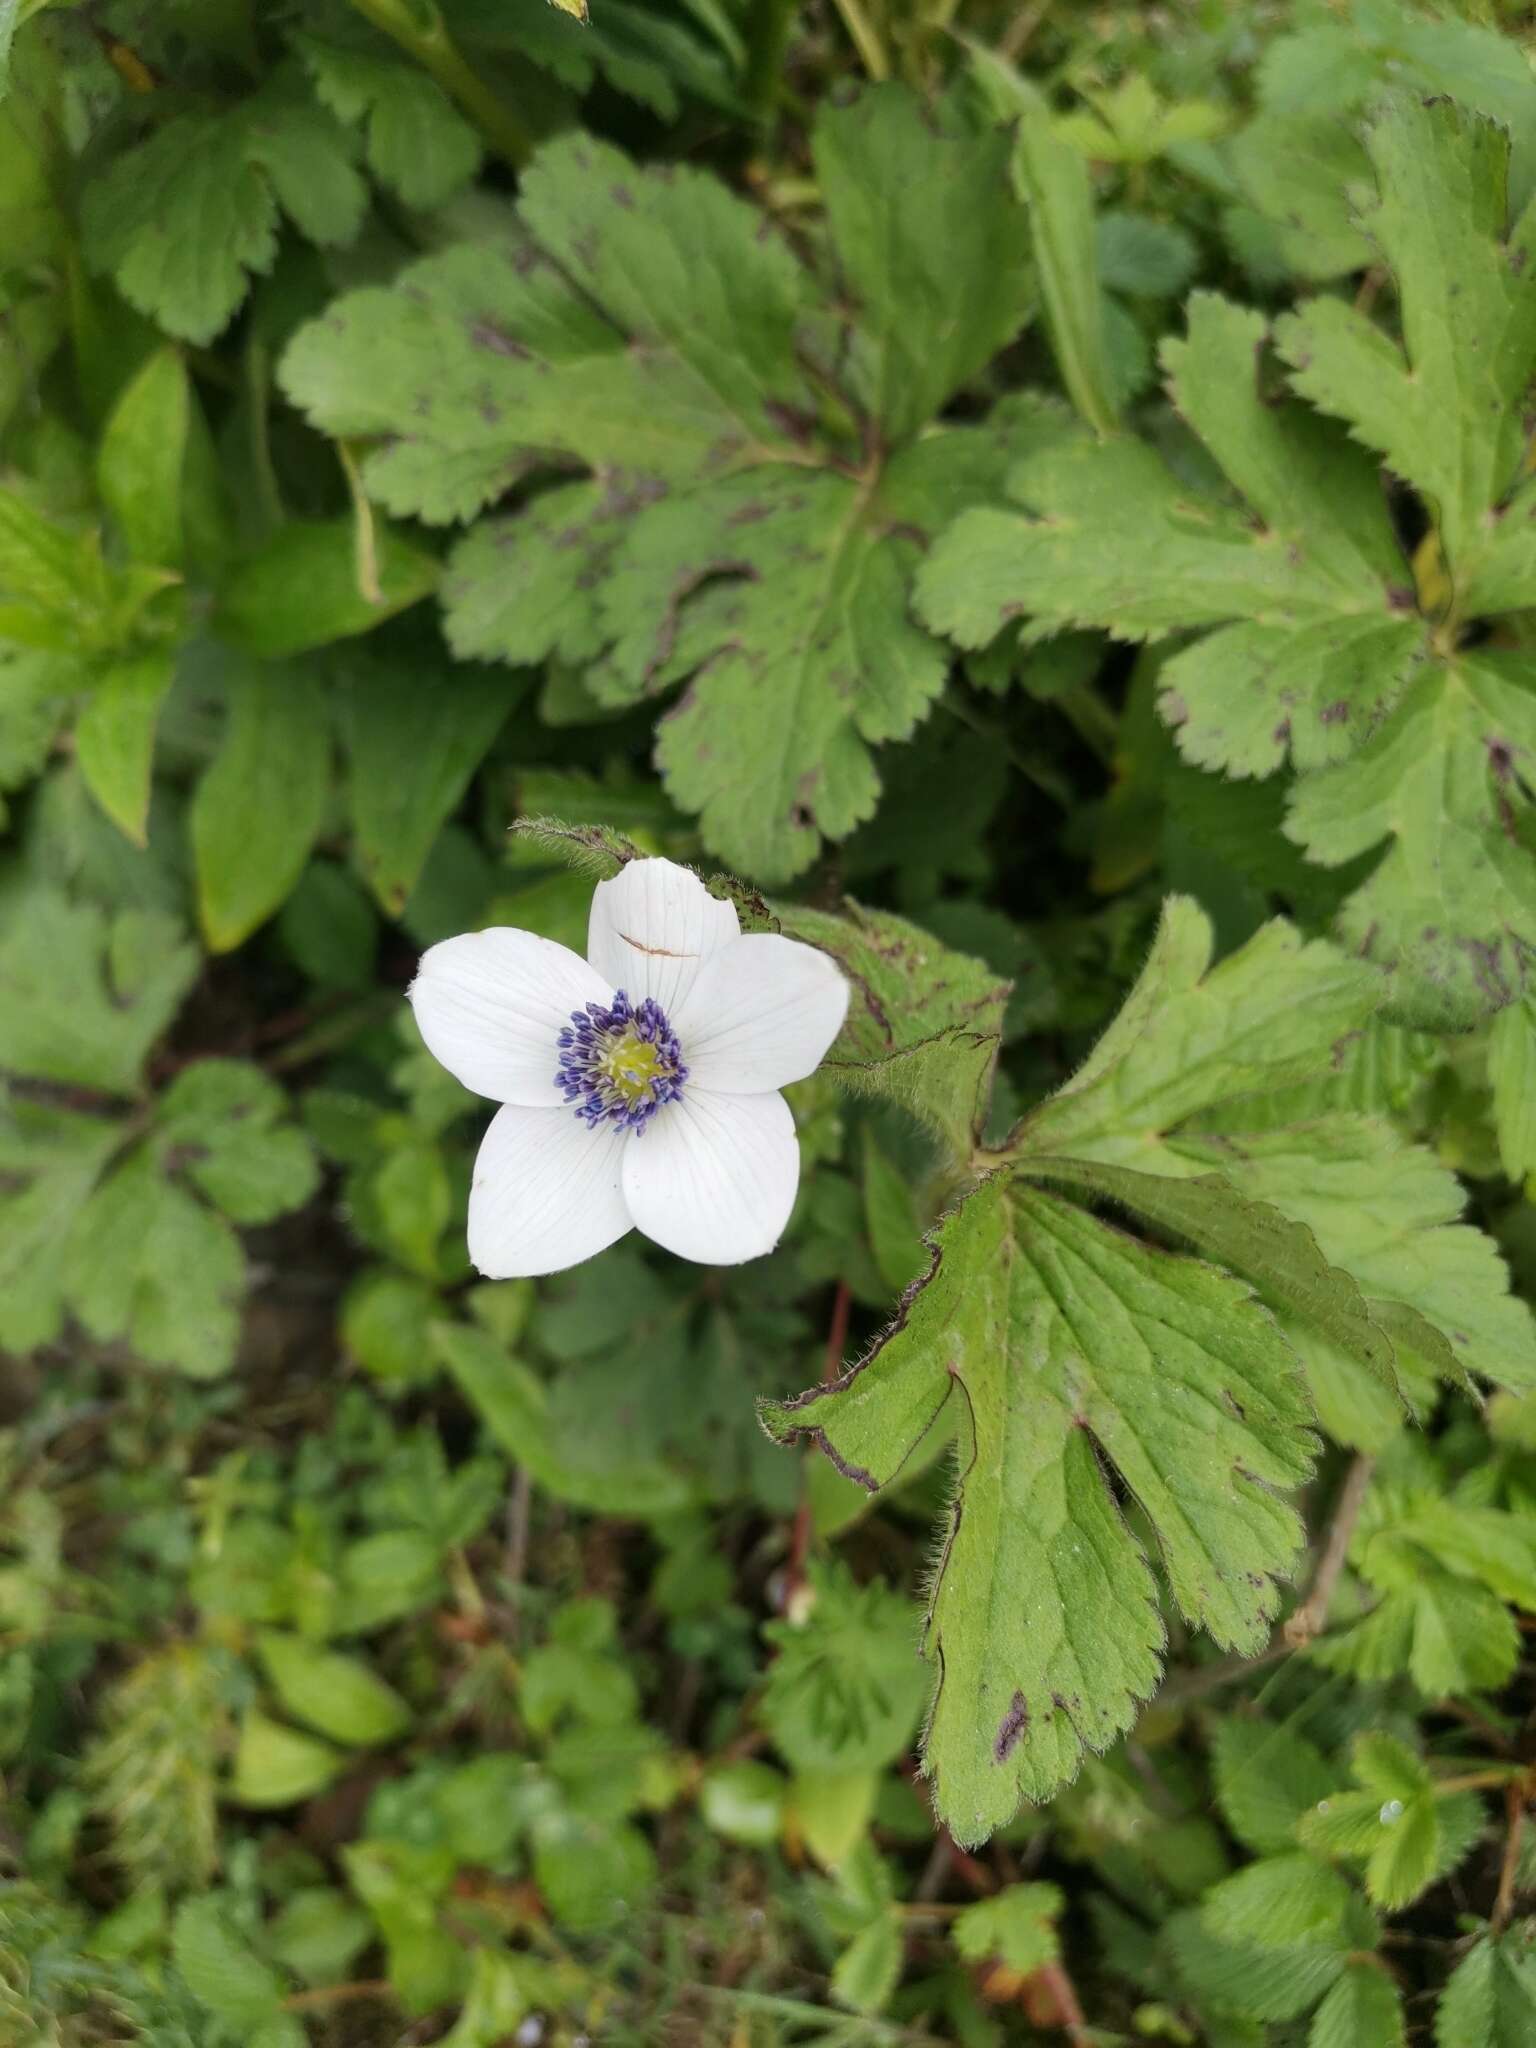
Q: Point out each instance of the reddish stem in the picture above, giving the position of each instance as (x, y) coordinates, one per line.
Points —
(800, 1533)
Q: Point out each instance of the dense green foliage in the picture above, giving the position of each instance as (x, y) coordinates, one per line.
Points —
(1036, 503)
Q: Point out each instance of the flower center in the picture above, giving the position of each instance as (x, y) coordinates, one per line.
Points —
(621, 1064)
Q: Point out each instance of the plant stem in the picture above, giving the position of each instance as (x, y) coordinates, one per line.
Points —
(768, 44)
(337, 1994)
(422, 35)
(1511, 1776)
(515, 1563)
(365, 551)
(1504, 1903)
(1310, 1616)
(800, 1535)
(861, 33)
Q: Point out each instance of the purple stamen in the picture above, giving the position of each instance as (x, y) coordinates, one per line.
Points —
(592, 1048)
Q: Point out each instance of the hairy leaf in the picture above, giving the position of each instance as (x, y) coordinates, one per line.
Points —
(1064, 1341)
(1444, 407)
(924, 1023)
(1190, 1038)
(1442, 787)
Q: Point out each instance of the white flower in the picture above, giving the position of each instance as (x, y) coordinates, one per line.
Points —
(640, 1084)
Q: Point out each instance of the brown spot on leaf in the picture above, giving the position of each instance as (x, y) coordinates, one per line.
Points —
(1011, 1728)
(487, 335)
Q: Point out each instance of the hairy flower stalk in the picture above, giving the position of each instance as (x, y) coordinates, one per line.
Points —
(639, 1087)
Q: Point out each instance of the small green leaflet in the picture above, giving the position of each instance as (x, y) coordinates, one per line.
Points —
(1406, 1835)
(105, 1224)
(1314, 643)
(1017, 1925)
(228, 1978)
(341, 1696)
(1290, 1897)
(756, 496)
(845, 1690)
(86, 994)
(1267, 1776)
(1490, 2001)
(183, 220)
(417, 142)
(1273, 1980)
(1441, 1569)
(50, 1159)
(223, 1124)
(1061, 1348)
(79, 625)
(1363, 2009)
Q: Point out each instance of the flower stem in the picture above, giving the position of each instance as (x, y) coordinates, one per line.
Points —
(1310, 1616)
(420, 31)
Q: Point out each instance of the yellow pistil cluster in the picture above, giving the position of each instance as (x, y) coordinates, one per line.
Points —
(629, 1065)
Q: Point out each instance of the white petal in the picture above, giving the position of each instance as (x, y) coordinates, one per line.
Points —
(491, 1005)
(713, 1177)
(761, 1014)
(652, 927)
(546, 1193)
